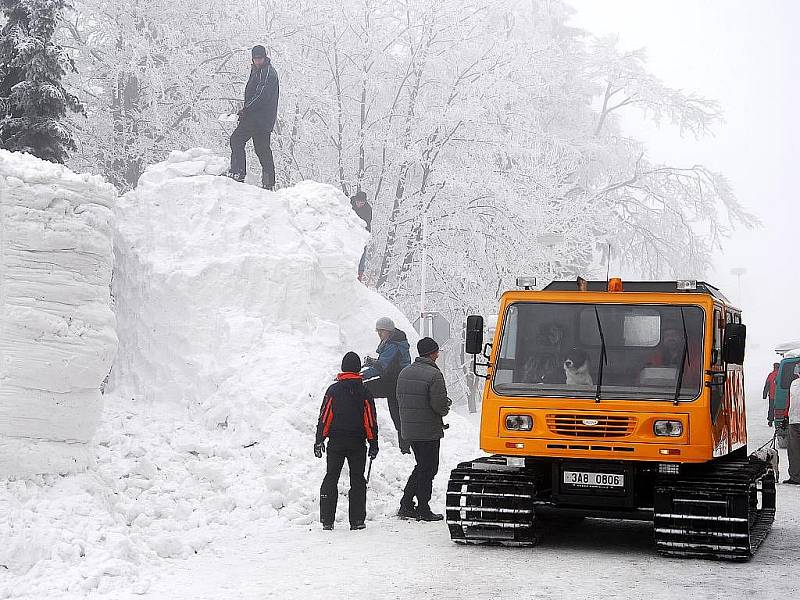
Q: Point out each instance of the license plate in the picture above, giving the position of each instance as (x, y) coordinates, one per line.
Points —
(598, 480)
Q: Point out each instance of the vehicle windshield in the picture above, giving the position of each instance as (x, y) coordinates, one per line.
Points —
(555, 349)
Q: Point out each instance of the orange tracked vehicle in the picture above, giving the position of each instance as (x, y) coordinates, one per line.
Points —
(615, 401)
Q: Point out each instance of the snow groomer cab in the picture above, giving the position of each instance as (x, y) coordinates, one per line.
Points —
(620, 400)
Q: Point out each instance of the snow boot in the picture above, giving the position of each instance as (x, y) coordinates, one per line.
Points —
(428, 515)
(327, 526)
(235, 176)
(356, 526)
(407, 512)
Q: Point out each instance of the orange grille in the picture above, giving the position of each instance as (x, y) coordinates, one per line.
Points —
(591, 426)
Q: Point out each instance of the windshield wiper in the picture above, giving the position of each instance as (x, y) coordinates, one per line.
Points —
(684, 360)
(603, 357)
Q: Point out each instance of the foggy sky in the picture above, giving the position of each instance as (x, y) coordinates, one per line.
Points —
(740, 53)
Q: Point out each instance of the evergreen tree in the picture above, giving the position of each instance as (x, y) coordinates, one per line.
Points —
(33, 101)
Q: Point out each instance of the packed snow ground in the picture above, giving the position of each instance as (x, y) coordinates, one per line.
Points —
(397, 559)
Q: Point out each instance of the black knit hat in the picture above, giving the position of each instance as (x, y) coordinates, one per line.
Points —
(427, 346)
(259, 52)
(351, 363)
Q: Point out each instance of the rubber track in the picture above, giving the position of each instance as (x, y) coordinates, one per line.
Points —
(491, 506)
(721, 511)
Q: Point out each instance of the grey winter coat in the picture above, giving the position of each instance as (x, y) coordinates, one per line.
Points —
(422, 397)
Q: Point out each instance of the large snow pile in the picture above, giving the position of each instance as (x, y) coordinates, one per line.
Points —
(234, 307)
(57, 336)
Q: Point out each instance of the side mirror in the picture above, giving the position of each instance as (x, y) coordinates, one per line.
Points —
(733, 343)
(474, 342)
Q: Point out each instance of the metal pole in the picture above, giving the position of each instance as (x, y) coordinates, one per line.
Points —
(424, 264)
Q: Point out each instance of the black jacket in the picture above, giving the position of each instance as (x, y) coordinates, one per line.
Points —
(365, 212)
(423, 401)
(261, 98)
(348, 410)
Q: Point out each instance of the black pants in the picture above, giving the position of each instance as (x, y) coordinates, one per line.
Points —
(381, 388)
(243, 133)
(355, 451)
(420, 483)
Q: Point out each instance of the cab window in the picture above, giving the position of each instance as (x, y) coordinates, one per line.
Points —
(556, 350)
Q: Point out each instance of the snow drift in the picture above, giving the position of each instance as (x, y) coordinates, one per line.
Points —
(234, 302)
(57, 336)
(234, 308)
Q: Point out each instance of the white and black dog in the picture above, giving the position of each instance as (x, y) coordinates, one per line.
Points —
(576, 368)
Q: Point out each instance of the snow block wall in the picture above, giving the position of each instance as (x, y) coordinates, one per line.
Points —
(57, 329)
(230, 299)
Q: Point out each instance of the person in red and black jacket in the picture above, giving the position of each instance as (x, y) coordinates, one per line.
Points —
(770, 386)
(347, 418)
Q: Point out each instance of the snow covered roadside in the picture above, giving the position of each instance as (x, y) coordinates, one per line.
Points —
(602, 560)
(391, 559)
(57, 336)
(234, 307)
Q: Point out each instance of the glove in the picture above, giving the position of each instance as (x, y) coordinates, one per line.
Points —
(373, 450)
(769, 422)
(319, 448)
(369, 361)
(785, 423)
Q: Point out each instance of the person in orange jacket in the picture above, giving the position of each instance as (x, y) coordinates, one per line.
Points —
(347, 419)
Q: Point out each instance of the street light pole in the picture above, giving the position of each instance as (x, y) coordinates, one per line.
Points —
(739, 271)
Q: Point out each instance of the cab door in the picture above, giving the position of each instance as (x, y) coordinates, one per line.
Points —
(720, 413)
(734, 392)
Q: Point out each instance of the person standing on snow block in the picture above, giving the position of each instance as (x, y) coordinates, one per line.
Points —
(347, 418)
(363, 209)
(380, 375)
(422, 395)
(769, 392)
(257, 120)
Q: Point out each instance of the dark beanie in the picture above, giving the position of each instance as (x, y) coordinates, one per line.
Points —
(351, 363)
(259, 52)
(427, 346)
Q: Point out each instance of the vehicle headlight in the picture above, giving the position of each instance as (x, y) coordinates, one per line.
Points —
(668, 428)
(519, 422)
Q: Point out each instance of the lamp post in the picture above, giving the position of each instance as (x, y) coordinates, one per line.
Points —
(739, 271)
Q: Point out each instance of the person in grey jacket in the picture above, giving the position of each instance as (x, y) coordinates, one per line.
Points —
(423, 401)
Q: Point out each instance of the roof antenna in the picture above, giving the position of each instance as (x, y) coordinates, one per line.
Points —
(608, 264)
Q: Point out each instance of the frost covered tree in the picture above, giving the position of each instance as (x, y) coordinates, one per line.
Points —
(33, 100)
(477, 128)
(156, 74)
